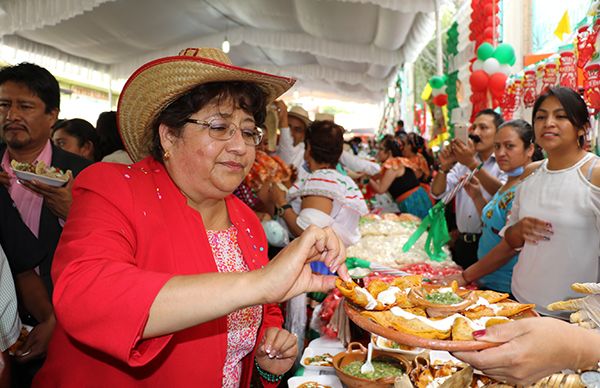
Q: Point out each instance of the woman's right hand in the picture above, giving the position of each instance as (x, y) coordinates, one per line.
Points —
(289, 273)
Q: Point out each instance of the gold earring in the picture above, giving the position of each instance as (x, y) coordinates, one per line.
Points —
(166, 155)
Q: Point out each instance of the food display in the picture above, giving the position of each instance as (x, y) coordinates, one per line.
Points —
(325, 359)
(382, 239)
(413, 313)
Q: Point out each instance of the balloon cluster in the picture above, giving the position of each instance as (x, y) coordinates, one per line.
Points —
(491, 69)
(484, 21)
(438, 89)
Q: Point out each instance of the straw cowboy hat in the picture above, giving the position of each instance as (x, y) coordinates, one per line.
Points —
(324, 117)
(158, 83)
(299, 113)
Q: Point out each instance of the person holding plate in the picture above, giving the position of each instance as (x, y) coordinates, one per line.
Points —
(162, 276)
(514, 149)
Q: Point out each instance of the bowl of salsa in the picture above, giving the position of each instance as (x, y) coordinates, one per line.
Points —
(388, 366)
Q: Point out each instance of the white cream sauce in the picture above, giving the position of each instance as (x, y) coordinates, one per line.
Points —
(483, 302)
(443, 324)
(388, 296)
(371, 302)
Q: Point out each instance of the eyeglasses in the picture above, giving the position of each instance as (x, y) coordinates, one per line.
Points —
(220, 129)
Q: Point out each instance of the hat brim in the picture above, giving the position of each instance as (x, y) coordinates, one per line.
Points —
(158, 83)
(306, 120)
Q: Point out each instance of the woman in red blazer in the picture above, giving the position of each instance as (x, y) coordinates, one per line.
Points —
(161, 275)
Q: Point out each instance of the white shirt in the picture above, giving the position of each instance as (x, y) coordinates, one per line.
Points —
(10, 324)
(294, 155)
(468, 219)
(565, 198)
(348, 203)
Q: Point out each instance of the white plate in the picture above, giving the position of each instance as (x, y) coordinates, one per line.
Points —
(379, 344)
(29, 176)
(325, 342)
(329, 380)
(314, 351)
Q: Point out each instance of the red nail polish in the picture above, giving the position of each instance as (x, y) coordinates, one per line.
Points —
(479, 333)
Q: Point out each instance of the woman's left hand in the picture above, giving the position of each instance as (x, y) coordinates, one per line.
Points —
(277, 350)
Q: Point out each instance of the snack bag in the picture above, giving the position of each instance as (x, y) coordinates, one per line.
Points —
(549, 74)
(585, 44)
(529, 88)
(567, 71)
(592, 85)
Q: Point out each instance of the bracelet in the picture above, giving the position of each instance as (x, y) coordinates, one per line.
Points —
(270, 377)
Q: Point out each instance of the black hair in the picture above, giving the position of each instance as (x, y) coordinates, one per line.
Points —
(326, 140)
(526, 134)
(400, 123)
(109, 139)
(573, 104)
(37, 79)
(498, 120)
(82, 130)
(389, 144)
(415, 142)
(248, 96)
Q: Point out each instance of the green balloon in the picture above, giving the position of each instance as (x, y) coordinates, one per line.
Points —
(504, 53)
(436, 82)
(485, 51)
(513, 61)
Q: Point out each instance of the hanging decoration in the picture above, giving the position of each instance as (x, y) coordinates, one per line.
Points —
(567, 70)
(438, 90)
(452, 76)
(488, 61)
(490, 72)
(592, 85)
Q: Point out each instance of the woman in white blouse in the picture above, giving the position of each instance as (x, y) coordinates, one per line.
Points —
(555, 219)
(325, 197)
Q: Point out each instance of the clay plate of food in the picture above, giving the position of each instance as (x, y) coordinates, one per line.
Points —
(431, 317)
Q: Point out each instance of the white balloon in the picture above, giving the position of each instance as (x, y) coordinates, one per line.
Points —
(491, 66)
(477, 65)
(506, 69)
(436, 92)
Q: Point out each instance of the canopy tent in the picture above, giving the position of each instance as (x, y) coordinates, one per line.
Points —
(347, 47)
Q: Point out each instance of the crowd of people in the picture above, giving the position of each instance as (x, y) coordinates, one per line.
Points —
(166, 264)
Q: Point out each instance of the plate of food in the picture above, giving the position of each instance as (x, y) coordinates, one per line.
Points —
(315, 358)
(320, 381)
(39, 171)
(23, 334)
(412, 313)
(387, 345)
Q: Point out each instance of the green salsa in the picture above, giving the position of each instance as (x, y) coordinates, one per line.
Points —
(443, 298)
(384, 367)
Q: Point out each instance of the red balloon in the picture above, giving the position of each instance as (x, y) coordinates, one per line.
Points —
(488, 9)
(440, 99)
(497, 84)
(479, 81)
(488, 33)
